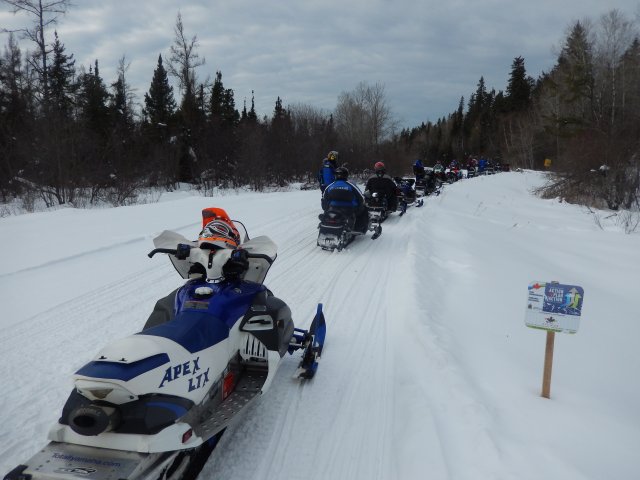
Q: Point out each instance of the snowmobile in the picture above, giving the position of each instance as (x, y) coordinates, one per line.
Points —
(431, 184)
(407, 196)
(378, 210)
(471, 171)
(451, 175)
(153, 405)
(337, 229)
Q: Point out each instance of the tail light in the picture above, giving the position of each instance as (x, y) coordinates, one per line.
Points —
(227, 385)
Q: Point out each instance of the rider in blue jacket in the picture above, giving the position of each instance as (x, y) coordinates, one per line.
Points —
(326, 175)
(344, 196)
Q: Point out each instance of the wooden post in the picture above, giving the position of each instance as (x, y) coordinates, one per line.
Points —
(548, 364)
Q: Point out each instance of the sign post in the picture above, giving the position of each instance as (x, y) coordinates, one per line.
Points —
(548, 364)
(553, 307)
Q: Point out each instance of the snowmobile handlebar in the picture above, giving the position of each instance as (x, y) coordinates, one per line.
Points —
(162, 250)
(182, 252)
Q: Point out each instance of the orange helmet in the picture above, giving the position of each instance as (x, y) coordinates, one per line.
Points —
(219, 231)
(218, 228)
(213, 213)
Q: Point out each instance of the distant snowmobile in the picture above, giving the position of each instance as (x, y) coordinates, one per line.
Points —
(407, 195)
(378, 210)
(153, 405)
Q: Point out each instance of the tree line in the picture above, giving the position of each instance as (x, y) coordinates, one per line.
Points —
(582, 117)
(67, 136)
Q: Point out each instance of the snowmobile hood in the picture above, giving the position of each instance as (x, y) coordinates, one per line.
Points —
(199, 324)
(203, 322)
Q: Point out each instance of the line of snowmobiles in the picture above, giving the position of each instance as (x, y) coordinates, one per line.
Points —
(153, 405)
(336, 229)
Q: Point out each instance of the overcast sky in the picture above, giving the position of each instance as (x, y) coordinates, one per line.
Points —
(427, 53)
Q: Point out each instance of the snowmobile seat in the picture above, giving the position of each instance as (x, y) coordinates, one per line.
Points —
(163, 311)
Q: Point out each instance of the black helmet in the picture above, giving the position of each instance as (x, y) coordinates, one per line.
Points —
(342, 173)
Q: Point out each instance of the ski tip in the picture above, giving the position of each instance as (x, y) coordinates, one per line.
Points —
(319, 310)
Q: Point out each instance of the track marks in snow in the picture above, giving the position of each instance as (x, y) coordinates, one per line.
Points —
(84, 324)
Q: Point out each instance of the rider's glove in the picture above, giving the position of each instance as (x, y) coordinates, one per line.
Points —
(237, 264)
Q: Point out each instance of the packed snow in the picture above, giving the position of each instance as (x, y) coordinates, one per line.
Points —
(428, 369)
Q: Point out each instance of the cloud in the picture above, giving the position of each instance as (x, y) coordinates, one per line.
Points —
(427, 53)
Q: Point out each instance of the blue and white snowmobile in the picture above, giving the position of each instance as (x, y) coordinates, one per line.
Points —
(153, 405)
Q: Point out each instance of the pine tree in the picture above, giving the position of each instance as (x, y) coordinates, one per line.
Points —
(14, 119)
(160, 106)
(121, 109)
(61, 75)
(252, 116)
(230, 115)
(519, 87)
(243, 115)
(574, 71)
(93, 98)
(217, 98)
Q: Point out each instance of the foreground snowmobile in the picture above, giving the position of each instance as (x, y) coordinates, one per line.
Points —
(153, 405)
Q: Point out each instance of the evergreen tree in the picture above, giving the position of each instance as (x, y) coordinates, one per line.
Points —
(230, 115)
(14, 118)
(93, 97)
(574, 74)
(61, 79)
(160, 106)
(243, 115)
(279, 144)
(519, 87)
(121, 110)
(630, 76)
(216, 105)
(252, 116)
(13, 91)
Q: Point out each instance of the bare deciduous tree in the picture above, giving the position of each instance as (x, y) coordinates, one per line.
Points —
(363, 116)
(184, 59)
(616, 34)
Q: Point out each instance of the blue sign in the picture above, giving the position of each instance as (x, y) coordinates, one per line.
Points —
(554, 306)
(565, 299)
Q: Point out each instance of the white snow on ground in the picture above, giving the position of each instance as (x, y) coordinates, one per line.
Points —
(428, 370)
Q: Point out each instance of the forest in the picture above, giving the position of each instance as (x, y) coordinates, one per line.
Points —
(68, 136)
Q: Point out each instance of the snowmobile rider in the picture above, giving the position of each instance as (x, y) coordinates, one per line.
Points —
(418, 170)
(384, 184)
(346, 197)
(218, 230)
(327, 173)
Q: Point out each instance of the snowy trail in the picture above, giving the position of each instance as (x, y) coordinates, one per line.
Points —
(353, 402)
(427, 371)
